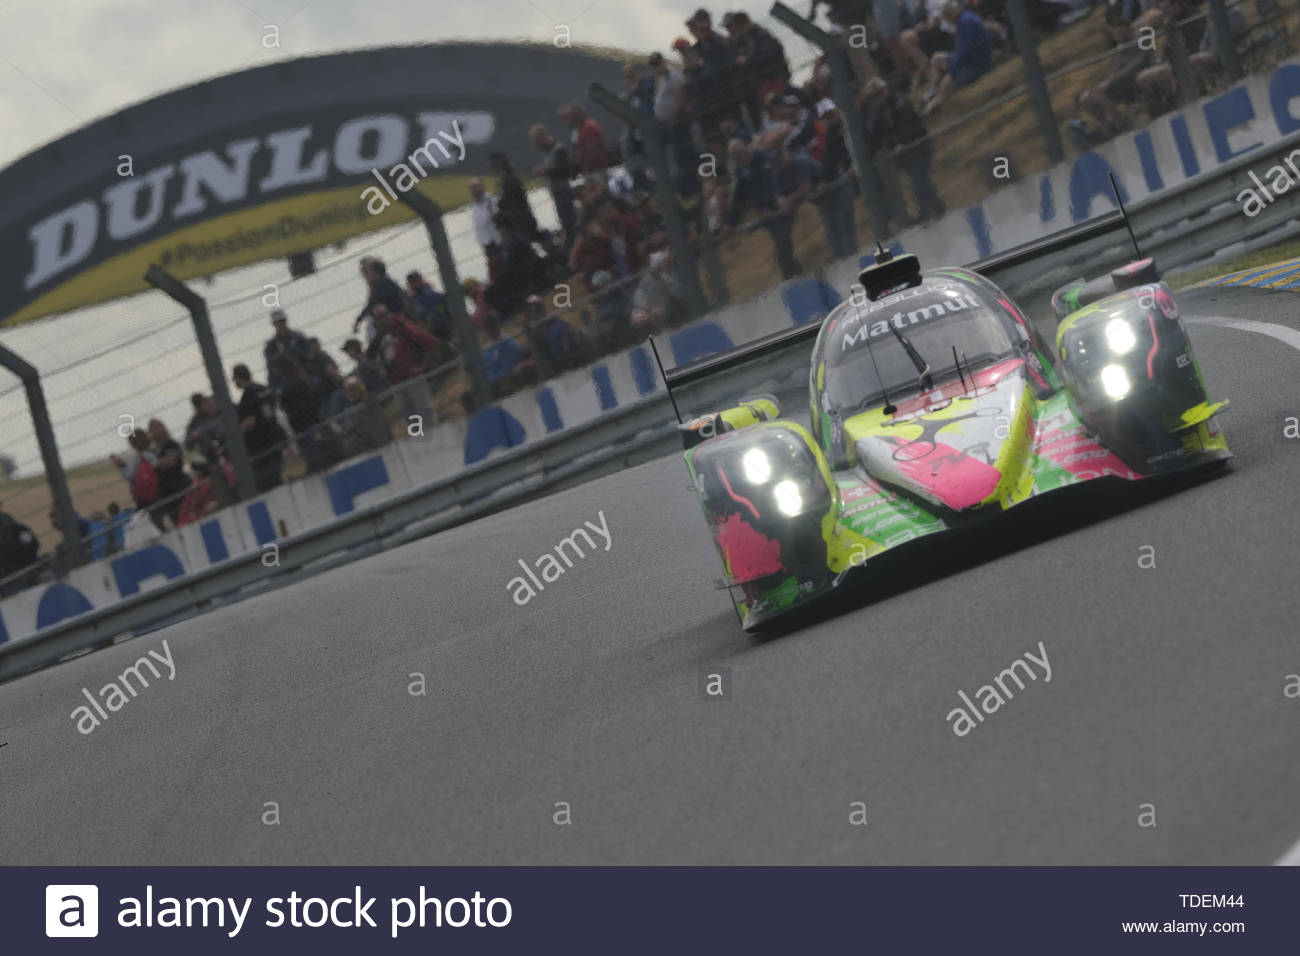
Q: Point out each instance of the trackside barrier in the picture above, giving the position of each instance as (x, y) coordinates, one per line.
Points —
(531, 442)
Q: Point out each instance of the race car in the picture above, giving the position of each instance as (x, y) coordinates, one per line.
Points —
(935, 403)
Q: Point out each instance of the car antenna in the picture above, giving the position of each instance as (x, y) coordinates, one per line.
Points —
(664, 375)
(882, 255)
(957, 362)
(1137, 250)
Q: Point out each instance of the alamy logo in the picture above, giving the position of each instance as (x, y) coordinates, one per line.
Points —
(521, 591)
(72, 909)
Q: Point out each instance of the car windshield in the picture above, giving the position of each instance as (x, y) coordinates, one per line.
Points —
(865, 359)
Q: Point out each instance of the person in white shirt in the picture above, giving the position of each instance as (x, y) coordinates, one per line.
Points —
(482, 211)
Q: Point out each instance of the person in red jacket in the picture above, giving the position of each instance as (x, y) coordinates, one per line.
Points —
(588, 138)
(407, 351)
(202, 499)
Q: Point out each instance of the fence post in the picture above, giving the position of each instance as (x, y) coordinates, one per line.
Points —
(652, 134)
(837, 58)
(1181, 62)
(466, 336)
(72, 545)
(161, 279)
(1225, 43)
(1038, 96)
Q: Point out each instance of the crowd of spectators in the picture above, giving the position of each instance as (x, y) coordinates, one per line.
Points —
(1143, 80)
(747, 148)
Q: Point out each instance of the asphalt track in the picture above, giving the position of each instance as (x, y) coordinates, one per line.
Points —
(1167, 689)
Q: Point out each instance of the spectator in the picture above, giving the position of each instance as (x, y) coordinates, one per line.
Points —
(558, 171)
(263, 436)
(383, 290)
(513, 200)
(301, 403)
(834, 197)
(369, 370)
(797, 124)
(139, 472)
(759, 58)
(19, 548)
(551, 338)
(117, 522)
(406, 350)
(483, 209)
(509, 366)
(169, 462)
(638, 93)
(477, 295)
(101, 536)
(363, 425)
(202, 499)
(755, 188)
(1160, 83)
(593, 251)
(671, 108)
(891, 123)
(716, 80)
(932, 35)
(622, 231)
(657, 302)
(204, 434)
(891, 17)
(430, 306)
(587, 139)
(284, 341)
(613, 311)
(971, 58)
(318, 364)
(522, 270)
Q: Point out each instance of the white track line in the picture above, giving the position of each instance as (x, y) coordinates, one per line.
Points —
(1282, 333)
(1291, 857)
(1290, 337)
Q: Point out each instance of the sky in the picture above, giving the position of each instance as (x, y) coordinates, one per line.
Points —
(65, 63)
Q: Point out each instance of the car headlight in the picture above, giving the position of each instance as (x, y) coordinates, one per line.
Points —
(1120, 337)
(789, 500)
(757, 466)
(1115, 381)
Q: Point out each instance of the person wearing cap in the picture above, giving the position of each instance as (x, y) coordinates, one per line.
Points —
(834, 198)
(283, 341)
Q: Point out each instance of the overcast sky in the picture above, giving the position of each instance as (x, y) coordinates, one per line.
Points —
(66, 62)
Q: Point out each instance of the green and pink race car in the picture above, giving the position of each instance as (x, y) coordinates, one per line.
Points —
(936, 401)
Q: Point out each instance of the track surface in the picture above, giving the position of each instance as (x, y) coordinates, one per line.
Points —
(1167, 689)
